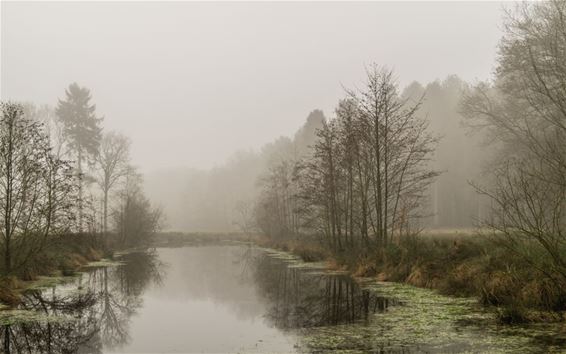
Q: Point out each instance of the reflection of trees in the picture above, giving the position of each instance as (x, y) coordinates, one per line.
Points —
(112, 309)
(300, 299)
(140, 270)
(99, 310)
(119, 293)
(53, 336)
(212, 274)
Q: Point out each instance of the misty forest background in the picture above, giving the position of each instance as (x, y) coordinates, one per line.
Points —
(220, 199)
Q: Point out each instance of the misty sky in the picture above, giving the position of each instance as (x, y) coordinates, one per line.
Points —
(190, 83)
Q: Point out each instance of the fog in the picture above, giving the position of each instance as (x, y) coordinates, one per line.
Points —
(190, 83)
(282, 177)
(198, 86)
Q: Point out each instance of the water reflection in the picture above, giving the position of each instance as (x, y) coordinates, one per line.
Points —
(119, 293)
(240, 294)
(299, 298)
(86, 315)
(223, 298)
(52, 337)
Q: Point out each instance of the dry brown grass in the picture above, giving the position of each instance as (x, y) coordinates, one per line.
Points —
(333, 264)
(8, 292)
(93, 254)
(365, 268)
(455, 262)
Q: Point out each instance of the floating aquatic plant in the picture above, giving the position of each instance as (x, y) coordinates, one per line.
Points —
(419, 320)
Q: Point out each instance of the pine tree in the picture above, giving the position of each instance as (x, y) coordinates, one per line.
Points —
(82, 130)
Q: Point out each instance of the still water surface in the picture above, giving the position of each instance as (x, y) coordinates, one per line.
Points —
(240, 299)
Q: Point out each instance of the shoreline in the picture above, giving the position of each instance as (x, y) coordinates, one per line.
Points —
(417, 276)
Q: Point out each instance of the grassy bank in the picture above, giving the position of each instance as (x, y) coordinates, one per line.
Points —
(453, 264)
(62, 258)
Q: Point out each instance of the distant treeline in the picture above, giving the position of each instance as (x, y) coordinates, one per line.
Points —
(221, 199)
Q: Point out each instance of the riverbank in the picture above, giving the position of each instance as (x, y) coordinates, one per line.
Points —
(455, 265)
(258, 300)
(61, 260)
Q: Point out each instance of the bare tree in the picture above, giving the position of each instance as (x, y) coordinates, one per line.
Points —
(524, 111)
(245, 217)
(366, 176)
(276, 210)
(398, 146)
(321, 182)
(136, 220)
(36, 188)
(112, 162)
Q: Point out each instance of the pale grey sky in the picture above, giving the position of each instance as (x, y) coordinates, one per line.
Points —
(192, 82)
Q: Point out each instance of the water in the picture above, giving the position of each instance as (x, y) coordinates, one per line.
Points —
(233, 298)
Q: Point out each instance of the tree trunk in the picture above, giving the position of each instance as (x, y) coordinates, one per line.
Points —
(8, 257)
(105, 220)
(8, 201)
(80, 172)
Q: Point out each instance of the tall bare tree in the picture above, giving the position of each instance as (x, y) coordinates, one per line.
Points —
(399, 146)
(112, 162)
(366, 176)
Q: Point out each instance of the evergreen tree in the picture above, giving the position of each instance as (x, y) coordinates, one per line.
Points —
(81, 128)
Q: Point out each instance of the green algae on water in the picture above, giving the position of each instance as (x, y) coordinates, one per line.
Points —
(20, 316)
(46, 282)
(103, 263)
(426, 321)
